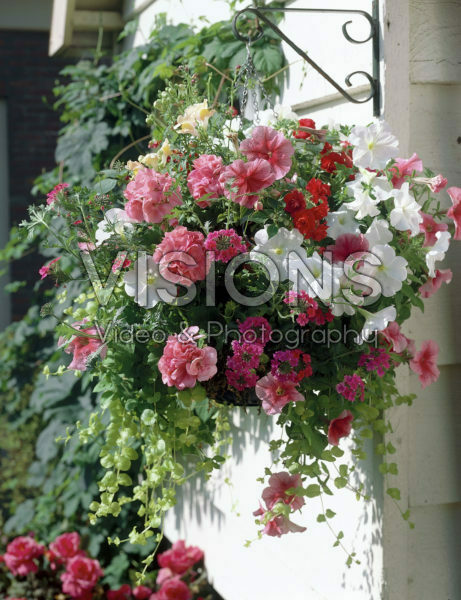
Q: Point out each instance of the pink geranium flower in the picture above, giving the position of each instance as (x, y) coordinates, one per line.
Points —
(340, 427)
(181, 256)
(164, 574)
(203, 180)
(433, 284)
(275, 394)
(66, 546)
(51, 196)
(279, 484)
(242, 181)
(123, 593)
(179, 558)
(83, 347)
(424, 364)
(184, 363)
(404, 167)
(430, 227)
(271, 145)
(81, 576)
(20, 554)
(224, 244)
(151, 196)
(455, 211)
(47, 269)
(348, 244)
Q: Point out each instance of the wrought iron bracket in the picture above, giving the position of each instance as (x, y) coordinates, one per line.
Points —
(373, 37)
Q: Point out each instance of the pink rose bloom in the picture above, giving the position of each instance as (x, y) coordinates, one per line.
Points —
(151, 196)
(279, 483)
(404, 167)
(66, 546)
(181, 256)
(348, 244)
(184, 363)
(20, 554)
(340, 427)
(281, 525)
(180, 557)
(433, 284)
(241, 181)
(424, 364)
(81, 576)
(46, 269)
(174, 589)
(51, 196)
(83, 347)
(275, 394)
(204, 178)
(393, 335)
(123, 593)
(430, 227)
(271, 145)
(141, 592)
(164, 575)
(455, 211)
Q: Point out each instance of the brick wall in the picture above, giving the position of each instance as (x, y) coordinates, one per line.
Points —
(27, 74)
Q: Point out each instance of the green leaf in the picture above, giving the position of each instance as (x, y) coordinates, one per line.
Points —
(340, 482)
(312, 490)
(393, 493)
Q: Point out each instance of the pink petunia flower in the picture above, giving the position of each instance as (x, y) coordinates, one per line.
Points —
(279, 484)
(430, 227)
(271, 145)
(454, 212)
(47, 269)
(180, 558)
(225, 244)
(242, 181)
(181, 256)
(204, 179)
(20, 554)
(83, 347)
(395, 337)
(184, 363)
(275, 394)
(340, 427)
(151, 196)
(281, 525)
(404, 167)
(348, 244)
(424, 364)
(433, 284)
(436, 184)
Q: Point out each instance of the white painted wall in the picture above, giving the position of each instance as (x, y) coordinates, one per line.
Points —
(217, 516)
(5, 309)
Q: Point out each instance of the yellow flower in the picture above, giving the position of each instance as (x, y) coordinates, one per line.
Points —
(155, 159)
(149, 160)
(196, 115)
(134, 166)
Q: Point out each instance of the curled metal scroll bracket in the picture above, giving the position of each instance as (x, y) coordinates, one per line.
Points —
(373, 20)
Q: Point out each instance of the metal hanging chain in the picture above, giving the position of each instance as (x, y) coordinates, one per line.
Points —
(249, 78)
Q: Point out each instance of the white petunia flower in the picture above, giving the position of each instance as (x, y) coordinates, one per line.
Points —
(315, 276)
(376, 321)
(115, 221)
(278, 248)
(374, 145)
(406, 213)
(145, 284)
(392, 271)
(345, 301)
(368, 190)
(378, 233)
(340, 222)
(437, 252)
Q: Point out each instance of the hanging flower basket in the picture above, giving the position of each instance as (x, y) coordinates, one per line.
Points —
(267, 264)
